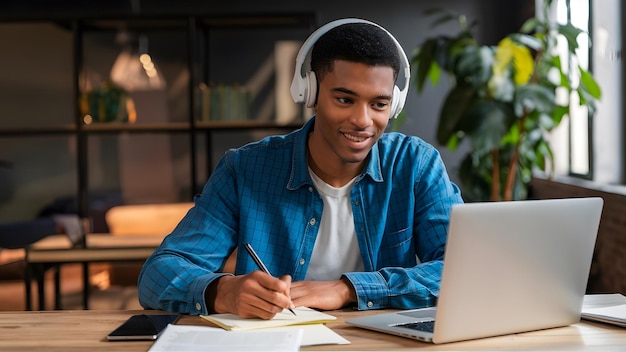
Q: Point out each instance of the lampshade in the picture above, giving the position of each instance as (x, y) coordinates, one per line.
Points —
(134, 68)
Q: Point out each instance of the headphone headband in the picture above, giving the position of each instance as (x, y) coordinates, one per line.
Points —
(304, 84)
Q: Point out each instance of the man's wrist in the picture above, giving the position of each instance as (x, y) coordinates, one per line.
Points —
(351, 293)
(210, 295)
(215, 299)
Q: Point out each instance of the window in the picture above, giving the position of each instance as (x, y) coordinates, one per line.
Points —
(576, 131)
(576, 12)
(585, 145)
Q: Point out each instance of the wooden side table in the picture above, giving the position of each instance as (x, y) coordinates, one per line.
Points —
(54, 251)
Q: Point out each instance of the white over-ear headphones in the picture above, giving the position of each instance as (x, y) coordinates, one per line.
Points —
(304, 84)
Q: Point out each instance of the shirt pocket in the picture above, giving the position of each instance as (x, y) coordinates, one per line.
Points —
(397, 248)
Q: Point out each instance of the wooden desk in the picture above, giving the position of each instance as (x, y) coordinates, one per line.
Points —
(53, 251)
(86, 331)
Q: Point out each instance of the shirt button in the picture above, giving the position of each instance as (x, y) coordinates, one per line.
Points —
(312, 221)
(310, 189)
(198, 306)
(302, 261)
(356, 203)
(370, 304)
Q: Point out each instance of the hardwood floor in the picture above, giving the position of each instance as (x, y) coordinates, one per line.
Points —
(102, 295)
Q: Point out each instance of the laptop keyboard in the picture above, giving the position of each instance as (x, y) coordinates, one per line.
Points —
(427, 326)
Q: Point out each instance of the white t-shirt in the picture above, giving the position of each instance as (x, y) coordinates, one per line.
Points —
(336, 248)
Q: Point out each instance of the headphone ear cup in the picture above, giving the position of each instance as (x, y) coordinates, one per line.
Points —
(395, 102)
(310, 94)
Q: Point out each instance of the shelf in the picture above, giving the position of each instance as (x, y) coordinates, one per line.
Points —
(178, 21)
(117, 127)
(190, 48)
(36, 131)
(150, 128)
(249, 124)
(186, 127)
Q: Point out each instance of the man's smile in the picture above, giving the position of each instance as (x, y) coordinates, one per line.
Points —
(354, 138)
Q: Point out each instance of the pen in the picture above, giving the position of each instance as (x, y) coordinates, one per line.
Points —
(260, 264)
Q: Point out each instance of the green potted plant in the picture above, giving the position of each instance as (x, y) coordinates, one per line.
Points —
(503, 99)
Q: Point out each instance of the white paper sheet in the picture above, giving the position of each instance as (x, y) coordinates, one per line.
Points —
(606, 308)
(317, 334)
(185, 338)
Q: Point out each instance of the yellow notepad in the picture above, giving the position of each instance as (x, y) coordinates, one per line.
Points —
(303, 315)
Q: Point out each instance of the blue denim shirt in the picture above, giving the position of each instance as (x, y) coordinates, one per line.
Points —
(262, 194)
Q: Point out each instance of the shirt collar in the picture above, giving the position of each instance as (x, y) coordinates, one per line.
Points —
(299, 168)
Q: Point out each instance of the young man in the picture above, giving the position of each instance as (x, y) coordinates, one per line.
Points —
(349, 213)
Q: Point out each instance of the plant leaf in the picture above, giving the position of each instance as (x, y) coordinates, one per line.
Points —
(589, 84)
(527, 41)
(523, 64)
(423, 59)
(434, 74)
(453, 142)
(509, 51)
(453, 111)
(475, 185)
(474, 66)
(503, 56)
(532, 97)
(558, 113)
(487, 124)
(570, 32)
(532, 25)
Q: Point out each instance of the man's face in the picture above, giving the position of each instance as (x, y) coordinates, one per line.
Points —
(352, 112)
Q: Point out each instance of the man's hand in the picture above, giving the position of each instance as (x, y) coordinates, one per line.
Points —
(326, 295)
(255, 295)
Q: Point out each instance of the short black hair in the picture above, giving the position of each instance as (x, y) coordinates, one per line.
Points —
(355, 42)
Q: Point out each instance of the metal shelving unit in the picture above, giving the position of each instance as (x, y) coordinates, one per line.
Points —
(197, 29)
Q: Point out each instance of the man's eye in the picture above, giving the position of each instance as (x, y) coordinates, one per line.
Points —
(344, 100)
(381, 105)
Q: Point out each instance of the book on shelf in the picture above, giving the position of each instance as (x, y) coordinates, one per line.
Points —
(223, 102)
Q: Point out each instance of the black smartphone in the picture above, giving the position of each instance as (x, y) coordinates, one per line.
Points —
(142, 327)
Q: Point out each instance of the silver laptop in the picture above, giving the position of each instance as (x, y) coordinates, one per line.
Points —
(509, 267)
